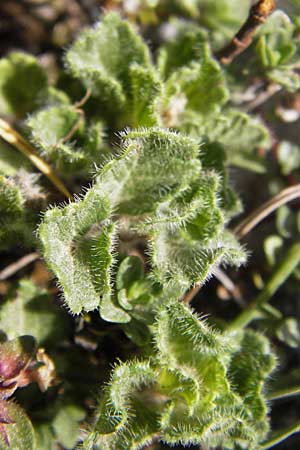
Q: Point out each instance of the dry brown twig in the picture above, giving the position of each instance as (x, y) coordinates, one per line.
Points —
(257, 16)
(10, 270)
(284, 196)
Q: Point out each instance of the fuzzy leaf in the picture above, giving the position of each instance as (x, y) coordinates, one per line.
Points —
(184, 393)
(187, 46)
(23, 83)
(128, 180)
(79, 254)
(49, 131)
(17, 221)
(11, 199)
(114, 62)
(194, 84)
(188, 254)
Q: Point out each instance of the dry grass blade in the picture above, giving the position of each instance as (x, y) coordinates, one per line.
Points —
(14, 138)
(267, 208)
(10, 270)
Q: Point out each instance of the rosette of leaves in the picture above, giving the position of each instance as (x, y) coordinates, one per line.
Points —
(199, 387)
(157, 172)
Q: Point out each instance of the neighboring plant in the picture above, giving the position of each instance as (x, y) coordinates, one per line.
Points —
(146, 154)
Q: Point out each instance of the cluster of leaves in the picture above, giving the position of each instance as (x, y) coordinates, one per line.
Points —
(152, 138)
(199, 386)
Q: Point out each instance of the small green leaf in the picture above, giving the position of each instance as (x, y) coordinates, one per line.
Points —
(77, 246)
(37, 314)
(195, 83)
(44, 437)
(288, 157)
(11, 199)
(289, 332)
(23, 84)
(66, 425)
(128, 179)
(239, 133)
(272, 246)
(130, 271)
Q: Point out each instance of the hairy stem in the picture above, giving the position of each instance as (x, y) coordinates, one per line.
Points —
(267, 208)
(287, 266)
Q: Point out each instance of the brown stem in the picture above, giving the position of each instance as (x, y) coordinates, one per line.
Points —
(188, 297)
(257, 16)
(270, 90)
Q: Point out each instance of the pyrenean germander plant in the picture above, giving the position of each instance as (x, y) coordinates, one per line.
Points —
(140, 139)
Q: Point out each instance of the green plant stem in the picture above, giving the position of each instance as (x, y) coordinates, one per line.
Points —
(286, 267)
(280, 436)
(284, 393)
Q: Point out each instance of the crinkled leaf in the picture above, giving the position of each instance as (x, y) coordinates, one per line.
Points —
(154, 165)
(52, 133)
(188, 252)
(114, 62)
(194, 80)
(185, 392)
(77, 247)
(278, 51)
